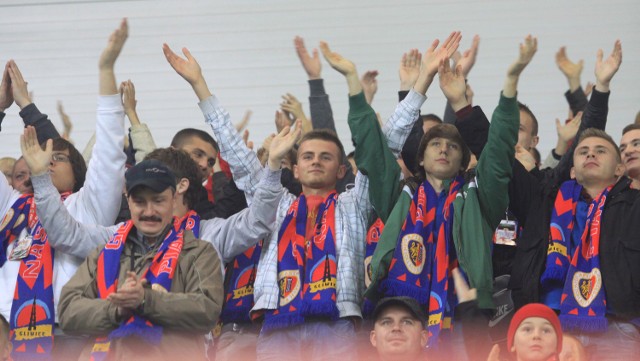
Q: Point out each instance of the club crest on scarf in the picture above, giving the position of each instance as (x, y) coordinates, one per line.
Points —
(424, 255)
(583, 303)
(307, 269)
(241, 273)
(32, 311)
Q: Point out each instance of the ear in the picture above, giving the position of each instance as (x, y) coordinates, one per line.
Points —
(295, 171)
(182, 186)
(342, 170)
(534, 141)
(620, 170)
(572, 174)
(372, 338)
(424, 338)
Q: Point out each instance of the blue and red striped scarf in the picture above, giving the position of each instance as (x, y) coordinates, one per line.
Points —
(189, 222)
(373, 236)
(423, 257)
(159, 275)
(307, 269)
(583, 303)
(32, 311)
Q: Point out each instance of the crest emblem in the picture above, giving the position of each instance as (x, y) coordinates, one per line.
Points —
(586, 286)
(413, 253)
(289, 284)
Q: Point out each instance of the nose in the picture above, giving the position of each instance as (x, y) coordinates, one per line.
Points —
(443, 148)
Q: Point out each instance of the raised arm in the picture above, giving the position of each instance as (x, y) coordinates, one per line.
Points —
(466, 61)
(65, 233)
(28, 111)
(244, 163)
(141, 137)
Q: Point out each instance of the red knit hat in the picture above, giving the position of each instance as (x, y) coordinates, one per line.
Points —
(535, 310)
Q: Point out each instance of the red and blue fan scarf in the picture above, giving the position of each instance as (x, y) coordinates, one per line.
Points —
(238, 299)
(159, 275)
(583, 305)
(32, 311)
(373, 236)
(189, 222)
(424, 255)
(307, 269)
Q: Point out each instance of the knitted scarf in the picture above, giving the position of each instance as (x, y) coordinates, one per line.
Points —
(159, 275)
(189, 222)
(583, 305)
(563, 217)
(238, 299)
(373, 236)
(32, 311)
(420, 267)
(306, 268)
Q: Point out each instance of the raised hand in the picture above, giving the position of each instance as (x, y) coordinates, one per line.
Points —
(114, 46)
(463, 291)
(369, 84)
(311, 64)
(431, 60)
(18, 86)
(245, 139)
(570, 69)
(494, 355)
(282, 143)
(525, 158)
(607, 68)
(566, 133)
(468, 58)
(6, 95)
(453, 85)
(245, 121)
(107, 84)
(409, 69)
(527, 51)
(281, 121)
(66, 121)
(37, 159)
(344, 66)
(189, 69)
(292, 108)
(128, 94)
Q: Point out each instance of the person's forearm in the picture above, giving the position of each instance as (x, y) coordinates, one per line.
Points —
(398, 127)
(44, 127)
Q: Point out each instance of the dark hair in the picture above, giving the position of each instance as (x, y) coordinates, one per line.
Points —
(431, 117)
(182, 166)
(446, 131)
(630, 127)
(597, 133)
(326, 135)
(534, 127)
(186, 134)
(78, 166)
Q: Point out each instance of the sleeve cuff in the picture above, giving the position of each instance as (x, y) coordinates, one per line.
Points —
(209, 105)
(316, 87)
(414, 99)
(464, 112)
(599, 99)
(110, 102)
(29, 112)
(41, 182)
(358, 103)
(271, 177)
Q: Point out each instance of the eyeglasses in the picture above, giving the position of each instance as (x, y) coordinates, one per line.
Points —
(60, 157)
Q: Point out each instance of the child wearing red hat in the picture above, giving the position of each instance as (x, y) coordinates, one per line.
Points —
(534, 334)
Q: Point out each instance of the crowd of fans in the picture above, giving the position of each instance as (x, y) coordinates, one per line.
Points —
(437, 238)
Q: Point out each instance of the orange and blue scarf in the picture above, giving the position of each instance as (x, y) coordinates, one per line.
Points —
(583, 305)
(159, 274)
(373, 236)
(307, 269)
(423, 257)
(238, 299)
(32, 311)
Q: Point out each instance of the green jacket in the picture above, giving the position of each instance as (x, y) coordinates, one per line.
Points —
(478, 209)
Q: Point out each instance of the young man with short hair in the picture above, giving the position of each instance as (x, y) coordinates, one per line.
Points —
(630, 151)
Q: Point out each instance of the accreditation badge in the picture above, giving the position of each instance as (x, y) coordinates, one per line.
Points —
(506, 233)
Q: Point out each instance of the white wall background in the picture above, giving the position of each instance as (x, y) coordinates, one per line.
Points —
(245, 48)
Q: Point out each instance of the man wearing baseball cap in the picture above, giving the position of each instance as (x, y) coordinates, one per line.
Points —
(399, 329)
(152, 291)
